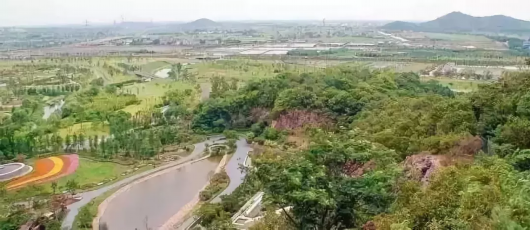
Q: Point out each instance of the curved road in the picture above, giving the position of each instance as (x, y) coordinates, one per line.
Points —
(88, 196)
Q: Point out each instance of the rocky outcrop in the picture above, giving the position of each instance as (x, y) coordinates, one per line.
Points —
(301, 118)
(422, 166)
(370, 225)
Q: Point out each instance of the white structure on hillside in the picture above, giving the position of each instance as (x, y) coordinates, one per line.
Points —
(249, 213)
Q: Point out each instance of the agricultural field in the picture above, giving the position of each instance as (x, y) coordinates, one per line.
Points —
(457, 85)
(456, 37)
(241, 69)
(452, 41)
(399, 66)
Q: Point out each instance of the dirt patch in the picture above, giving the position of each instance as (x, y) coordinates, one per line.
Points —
(370, 225)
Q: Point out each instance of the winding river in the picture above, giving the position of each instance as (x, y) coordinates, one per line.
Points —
(199, 149)
(149, 204)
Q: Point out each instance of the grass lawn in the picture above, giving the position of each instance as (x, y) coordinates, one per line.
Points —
(152, 67)
(150, 92)
(92, 172)
(102, 73)
(88, 173)
(457, 84)
(84, 128)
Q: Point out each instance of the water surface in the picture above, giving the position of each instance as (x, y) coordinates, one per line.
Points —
(149, 204)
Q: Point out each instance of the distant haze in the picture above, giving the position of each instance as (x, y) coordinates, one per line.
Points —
(61, 12)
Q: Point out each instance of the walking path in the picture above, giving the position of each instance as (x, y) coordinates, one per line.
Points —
(73, 209)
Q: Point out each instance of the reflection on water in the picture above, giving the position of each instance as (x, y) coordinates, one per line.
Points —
(164, 73)
(151, 203)
(50, 109)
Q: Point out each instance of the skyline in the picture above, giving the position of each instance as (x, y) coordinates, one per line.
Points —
(75, 12)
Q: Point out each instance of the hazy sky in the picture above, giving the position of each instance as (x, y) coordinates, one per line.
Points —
(43, 12)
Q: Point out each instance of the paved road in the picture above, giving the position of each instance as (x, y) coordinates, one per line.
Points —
(88, 196)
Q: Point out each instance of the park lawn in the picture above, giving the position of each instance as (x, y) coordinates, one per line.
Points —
(86, 129)
(92, 172)
(149, 93)
(152, 67)
(121, 78)
(88, 173)
(457, 84)
(102, 73)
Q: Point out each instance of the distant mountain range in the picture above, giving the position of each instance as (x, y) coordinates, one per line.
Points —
(460, 22)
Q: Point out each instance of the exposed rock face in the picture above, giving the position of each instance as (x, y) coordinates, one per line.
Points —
(370, 225)
(422, 166)
(300, 118)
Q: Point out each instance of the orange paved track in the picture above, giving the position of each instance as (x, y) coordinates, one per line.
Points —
(45, 170)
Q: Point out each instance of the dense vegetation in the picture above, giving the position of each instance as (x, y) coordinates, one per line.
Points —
(350, 175)
(334, 144)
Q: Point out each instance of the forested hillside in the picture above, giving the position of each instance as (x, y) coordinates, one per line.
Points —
(378, 150)
(336, 148)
